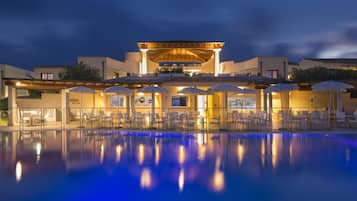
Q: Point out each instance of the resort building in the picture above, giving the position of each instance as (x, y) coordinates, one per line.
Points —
(182, 77)
(8, 71)
(49, 72)
(272, 67)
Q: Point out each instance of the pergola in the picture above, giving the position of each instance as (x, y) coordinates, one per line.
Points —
(180, 51)
(133, 82)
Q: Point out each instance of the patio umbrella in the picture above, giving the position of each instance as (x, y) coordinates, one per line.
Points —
(281, 88)
(120, 90)
(332, 87)
(152, 90)
(82, 90)
(225, 88)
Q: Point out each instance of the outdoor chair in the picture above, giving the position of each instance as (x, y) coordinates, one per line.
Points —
(341, 119)
(107, 120)
(353, 121)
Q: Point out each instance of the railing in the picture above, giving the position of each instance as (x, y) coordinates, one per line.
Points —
(182, 119)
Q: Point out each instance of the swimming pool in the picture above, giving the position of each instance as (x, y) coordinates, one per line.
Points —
(119, 165)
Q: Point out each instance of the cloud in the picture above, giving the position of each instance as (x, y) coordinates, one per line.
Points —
(42, 32)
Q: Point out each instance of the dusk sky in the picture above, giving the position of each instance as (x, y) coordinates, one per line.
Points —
(45, 32)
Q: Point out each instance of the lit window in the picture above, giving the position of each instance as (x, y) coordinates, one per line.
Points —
(273, 74)
(47, 76)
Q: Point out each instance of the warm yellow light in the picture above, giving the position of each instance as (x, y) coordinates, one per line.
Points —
(262, 151)
(201, 152)
(145, 178)
(180, 88)
(140, 93)
(181, 180)
(141, 154)
(182, 154)
(274, 149)
(157, 154)
(240, 153)
(273, 93)
(218, 181)
(18, 84)
(201, 138)
(118, 151)
(18, 171)
(290, 76)
(101, 153)
(156, 94)
(38, 148)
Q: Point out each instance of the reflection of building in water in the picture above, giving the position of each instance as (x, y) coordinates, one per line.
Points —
(181, 180)
(18, 171)
(276, 146)
(101, 159)
(157, 154)
(141, 154)
(145, 178)
(182, 155)
(240, 153)
(262, 151)
(118, 150)
(218, 182)
(175, 158)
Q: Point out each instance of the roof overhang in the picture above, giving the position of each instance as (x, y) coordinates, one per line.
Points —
(180, 51)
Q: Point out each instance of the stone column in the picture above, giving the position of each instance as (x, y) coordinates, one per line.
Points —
(217, 66)
(143, 68)
(265, 101)
(339, 101)
(259, 100)
(270, 102)
(12, 106)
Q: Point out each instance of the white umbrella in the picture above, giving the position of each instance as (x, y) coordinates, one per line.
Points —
(192, 90)
(281, 88)
(120, 90)
(82, 90)
(247, 91)
(332, 87)
(225, 88)
(152, 90)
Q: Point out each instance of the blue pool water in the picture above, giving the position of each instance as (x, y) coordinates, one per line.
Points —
(117, 165)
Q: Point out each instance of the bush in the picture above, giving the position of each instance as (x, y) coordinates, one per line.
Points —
(322, 74)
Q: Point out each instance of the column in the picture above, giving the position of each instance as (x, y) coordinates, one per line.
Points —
(265, 102)
(258, 100)
(12, 106)
(270, 102)
(143, 67)
(64, 106)
(339, 101)
(217, 67)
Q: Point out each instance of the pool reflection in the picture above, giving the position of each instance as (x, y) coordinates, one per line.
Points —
(154, 160)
